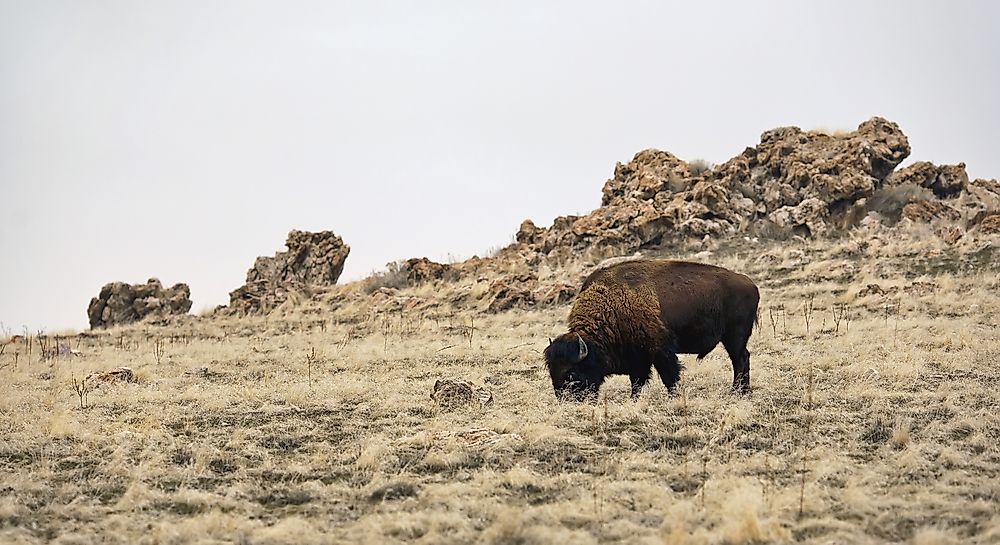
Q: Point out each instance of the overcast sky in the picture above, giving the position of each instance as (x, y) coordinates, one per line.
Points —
(183, 139)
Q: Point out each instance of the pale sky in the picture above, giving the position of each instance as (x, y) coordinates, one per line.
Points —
(182, 139)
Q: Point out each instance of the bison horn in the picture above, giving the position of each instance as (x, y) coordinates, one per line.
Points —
(583, 348)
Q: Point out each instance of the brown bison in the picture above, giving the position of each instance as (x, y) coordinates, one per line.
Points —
(642, 313)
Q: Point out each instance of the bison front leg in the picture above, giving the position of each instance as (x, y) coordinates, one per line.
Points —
(669, 369)
(638, 381)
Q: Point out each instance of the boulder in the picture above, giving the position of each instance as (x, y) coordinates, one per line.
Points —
(512, 291)
(454, 393)
(420, 270)
(312, 260)
(990, 225)
(927, 211)
(944, 180)
(554, 294)
(527, 233)
(119, 303)
(649, 173)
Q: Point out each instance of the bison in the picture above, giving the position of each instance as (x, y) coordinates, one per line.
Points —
(642, 313)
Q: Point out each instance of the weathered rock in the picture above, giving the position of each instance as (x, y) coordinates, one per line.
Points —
(990, 225)
(649, 173)
(810, 213)
(554, 294)
(927, 211)
(944, 180)
(992, 186)
(512, 291)
(950, 235)
(313, 260)
(120, 303)
(527, 233)
(420, 270)
(455, 393)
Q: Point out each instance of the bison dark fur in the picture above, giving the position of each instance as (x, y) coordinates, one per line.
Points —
(641, 313)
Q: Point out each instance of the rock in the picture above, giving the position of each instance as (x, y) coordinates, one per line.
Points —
(649, 173)
(313, 260)
(527, 233)
(944, 180)
(554, 294)
(420, 270)
(118, 375)
(951, 235)
(512, 291)
(120, 303)
(810, 213)
(927, 211)
(455, 393)
(990, 225)
(990, 185)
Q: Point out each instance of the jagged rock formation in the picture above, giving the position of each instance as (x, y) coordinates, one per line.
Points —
(313, 260)
(119, 303)
(793, 182)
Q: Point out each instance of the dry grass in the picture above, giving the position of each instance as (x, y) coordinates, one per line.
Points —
(899, 442)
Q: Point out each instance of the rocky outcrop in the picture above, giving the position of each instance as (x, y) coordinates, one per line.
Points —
(313, 260)
(119, 303)
(802, 181)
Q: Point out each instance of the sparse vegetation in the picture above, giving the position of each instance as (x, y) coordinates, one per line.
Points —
(881, 431)
(394, 277)
(697, 167)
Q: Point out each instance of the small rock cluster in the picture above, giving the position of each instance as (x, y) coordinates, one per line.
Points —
(313, 260)
(454, 393)
(119, 303)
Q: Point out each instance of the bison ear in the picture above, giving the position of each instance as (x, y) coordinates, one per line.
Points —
(583, 349)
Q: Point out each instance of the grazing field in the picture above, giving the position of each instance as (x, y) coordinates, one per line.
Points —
(873, 418)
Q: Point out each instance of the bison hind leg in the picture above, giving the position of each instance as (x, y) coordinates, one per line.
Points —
(669, 369)
(740, 357)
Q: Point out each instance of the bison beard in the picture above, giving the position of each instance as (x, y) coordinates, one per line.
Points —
(638, 315)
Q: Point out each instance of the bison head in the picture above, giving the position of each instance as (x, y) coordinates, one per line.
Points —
(574, 366)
